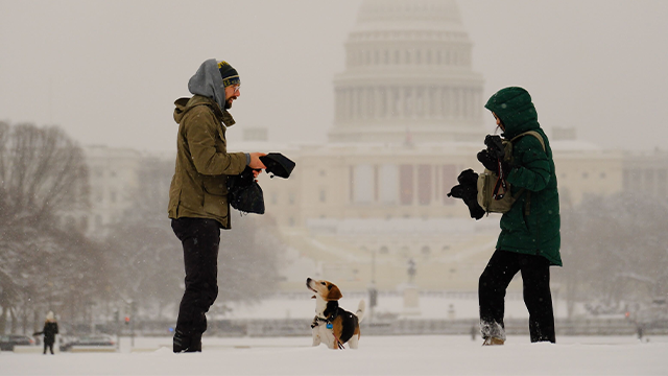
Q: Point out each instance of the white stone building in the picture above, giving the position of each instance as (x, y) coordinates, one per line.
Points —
(112, 177)
(408, 119)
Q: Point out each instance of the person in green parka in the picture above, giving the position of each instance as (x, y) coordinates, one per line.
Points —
(530, 237)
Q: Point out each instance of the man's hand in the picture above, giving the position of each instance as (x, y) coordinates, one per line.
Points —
(255, 162)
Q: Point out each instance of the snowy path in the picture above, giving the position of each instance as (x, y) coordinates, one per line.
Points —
(410, 355)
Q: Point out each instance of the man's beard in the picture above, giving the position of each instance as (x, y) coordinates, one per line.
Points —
(228, 103)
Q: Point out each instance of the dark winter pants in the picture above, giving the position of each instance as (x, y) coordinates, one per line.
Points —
(494, 280)
(200, 238)
(48, 345)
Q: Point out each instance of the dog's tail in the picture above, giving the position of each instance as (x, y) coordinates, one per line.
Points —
(361, 308)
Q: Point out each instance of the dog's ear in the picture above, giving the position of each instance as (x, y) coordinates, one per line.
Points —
(334, 293)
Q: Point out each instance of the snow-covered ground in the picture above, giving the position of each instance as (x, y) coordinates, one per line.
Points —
(396, 355)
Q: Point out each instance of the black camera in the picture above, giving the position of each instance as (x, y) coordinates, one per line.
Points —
(495, 146)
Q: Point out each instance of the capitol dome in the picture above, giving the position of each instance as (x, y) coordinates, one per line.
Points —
(408, 72)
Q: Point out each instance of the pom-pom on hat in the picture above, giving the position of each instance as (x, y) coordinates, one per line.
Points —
(229, 74)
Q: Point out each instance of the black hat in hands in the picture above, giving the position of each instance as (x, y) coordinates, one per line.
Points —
(278, 164)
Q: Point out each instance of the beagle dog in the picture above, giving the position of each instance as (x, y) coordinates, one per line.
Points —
(333, 325)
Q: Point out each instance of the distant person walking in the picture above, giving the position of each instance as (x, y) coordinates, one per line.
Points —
(530, 239)
(198, 203)
(50, 330)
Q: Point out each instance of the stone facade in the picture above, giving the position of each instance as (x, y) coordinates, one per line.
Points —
(408, 119)
(408, 71)
(113, 174)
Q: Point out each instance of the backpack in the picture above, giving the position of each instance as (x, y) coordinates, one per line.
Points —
(494, 193)
(244, 193)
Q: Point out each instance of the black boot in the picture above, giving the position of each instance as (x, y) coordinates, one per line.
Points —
(183, 342)
(195, 343)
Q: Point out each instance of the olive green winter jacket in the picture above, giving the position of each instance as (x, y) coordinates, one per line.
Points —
(198, 188)
(532, 224)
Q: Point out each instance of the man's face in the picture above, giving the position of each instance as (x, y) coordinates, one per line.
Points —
(231, 94)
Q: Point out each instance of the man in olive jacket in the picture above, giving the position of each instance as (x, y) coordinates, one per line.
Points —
(530, 237)
(198, 204)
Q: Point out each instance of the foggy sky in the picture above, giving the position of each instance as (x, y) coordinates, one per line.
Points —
(108, 72)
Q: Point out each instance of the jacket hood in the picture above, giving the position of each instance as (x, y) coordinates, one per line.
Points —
(208, 82)
(514, 107)
(185, 104)
(181, 109)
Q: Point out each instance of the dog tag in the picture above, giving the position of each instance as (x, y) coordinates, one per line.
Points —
(329, 325)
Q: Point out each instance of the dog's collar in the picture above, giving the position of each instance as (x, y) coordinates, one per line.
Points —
(329, 318)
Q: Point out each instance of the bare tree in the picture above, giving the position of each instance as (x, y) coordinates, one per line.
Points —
(142, 253)
(147, 257)
(248, 259)
(615, 250)
(42, 177)
(41, 173)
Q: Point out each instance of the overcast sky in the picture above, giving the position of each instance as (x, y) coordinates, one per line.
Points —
(109, 71)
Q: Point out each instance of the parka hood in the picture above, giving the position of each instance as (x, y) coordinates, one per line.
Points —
(208, 82)
(183, 105)
(514, 107)
(180, 110)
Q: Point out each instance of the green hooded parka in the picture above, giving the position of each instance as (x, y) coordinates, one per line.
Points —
(532, 224)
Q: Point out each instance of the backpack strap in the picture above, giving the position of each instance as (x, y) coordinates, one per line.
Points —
(542, 143)
(533, 133)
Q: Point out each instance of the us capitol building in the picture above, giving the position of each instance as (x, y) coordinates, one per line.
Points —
(371, 203)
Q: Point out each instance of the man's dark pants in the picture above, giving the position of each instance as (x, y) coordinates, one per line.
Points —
(494, 280)
(200, 238)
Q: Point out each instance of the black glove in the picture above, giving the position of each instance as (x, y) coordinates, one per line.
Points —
(467, 190)
(468, 177)
(475, 210)
(491, 163)
(464, 192)
(469, 195)
(487, 160)
(495, 146)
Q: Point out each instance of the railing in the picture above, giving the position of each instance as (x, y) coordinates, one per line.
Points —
(301, 327)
